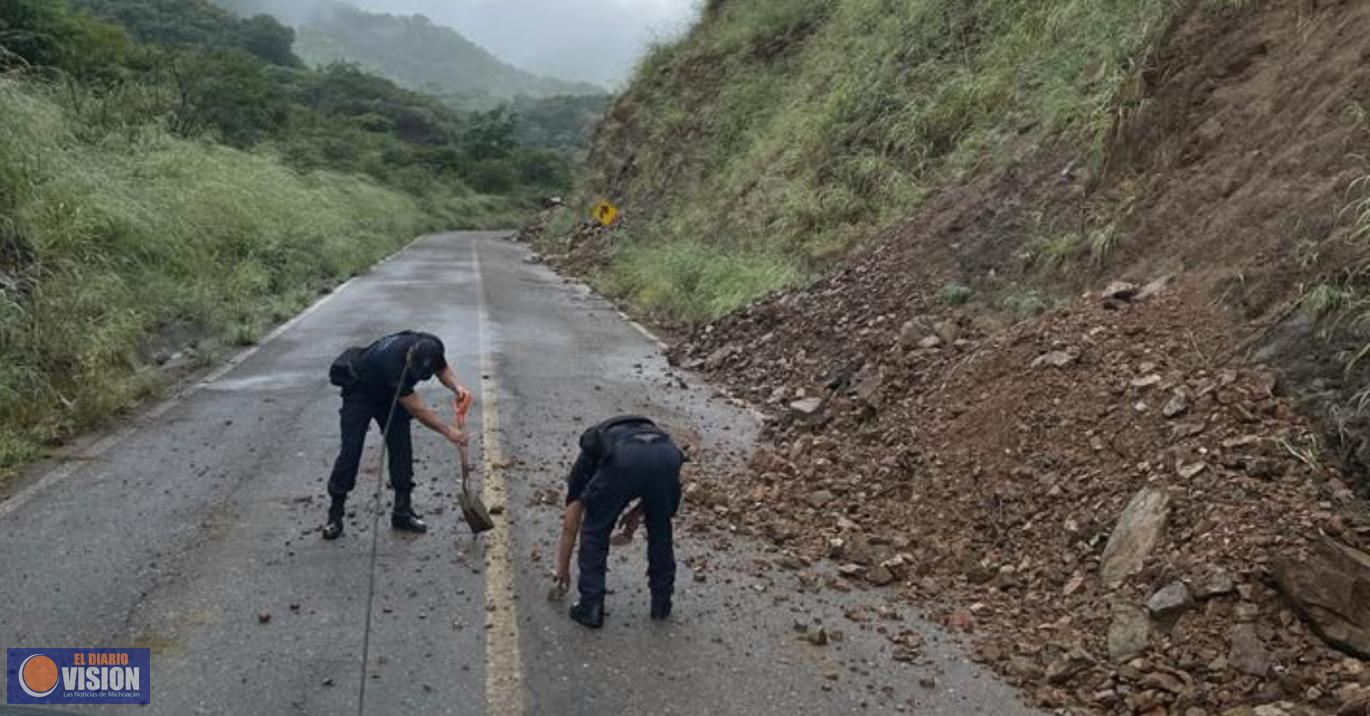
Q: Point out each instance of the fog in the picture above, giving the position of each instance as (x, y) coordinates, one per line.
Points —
(592, 40)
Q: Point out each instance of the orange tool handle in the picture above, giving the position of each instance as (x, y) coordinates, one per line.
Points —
(463, 406)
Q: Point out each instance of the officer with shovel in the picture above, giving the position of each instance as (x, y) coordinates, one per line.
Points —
(378, 384)
(621, 459)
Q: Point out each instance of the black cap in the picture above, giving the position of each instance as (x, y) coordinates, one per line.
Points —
(426, 356)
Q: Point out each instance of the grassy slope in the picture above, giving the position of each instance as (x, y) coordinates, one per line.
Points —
(112, 236)
(779, 133)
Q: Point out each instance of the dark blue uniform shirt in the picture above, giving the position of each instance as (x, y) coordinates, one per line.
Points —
(379, 368)
(597, 443)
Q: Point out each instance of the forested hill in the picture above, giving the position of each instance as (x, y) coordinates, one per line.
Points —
(410, 50)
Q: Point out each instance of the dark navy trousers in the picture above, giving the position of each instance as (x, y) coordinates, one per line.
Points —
(354, 419)
(635, 470)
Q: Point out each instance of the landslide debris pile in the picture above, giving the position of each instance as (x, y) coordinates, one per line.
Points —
(1095, 497)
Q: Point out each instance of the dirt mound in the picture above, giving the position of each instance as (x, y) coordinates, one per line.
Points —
(1099, 495)
(985, 473)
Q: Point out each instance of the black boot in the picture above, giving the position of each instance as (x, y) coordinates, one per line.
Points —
(408, 522)
(404, 518)
(591, 614)
(661, 607)
(334, 528)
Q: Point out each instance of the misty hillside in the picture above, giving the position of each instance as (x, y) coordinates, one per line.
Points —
(410, 50)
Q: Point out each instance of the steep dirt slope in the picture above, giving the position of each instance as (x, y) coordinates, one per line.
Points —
(980, 461)
(1243, 164)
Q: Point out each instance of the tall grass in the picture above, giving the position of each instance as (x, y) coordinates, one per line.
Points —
(691, 277)
(794, 129)
(117, 233)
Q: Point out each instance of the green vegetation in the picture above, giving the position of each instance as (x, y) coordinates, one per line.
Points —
(562, 124)
(691, 277)
(169, 169)
(1360, 209)
(1324, 300)
(956, 294)
(561, 222)
(1062, 249)
(181, 24)
(786, 131)
(107, 237)
(1023, 302)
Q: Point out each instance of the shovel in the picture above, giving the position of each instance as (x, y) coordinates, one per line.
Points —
(472, 509)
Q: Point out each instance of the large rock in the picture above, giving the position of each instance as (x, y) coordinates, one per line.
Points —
(1177, 405)
(947, 330)
(1055, 359)
(1278, 708)
(716, 359)
(1129, 634)
(806, 407)
(1247, 653)
(879, 575)
(1331, 590)
(869, 384)
(1214, 583)
(1120, 291)
(1168, 603)
(1138, 530)
(909, 334)
(913, 331)
(818, 498)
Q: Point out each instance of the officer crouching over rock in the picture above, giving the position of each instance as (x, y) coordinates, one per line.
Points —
(378, 384)
(622, 459)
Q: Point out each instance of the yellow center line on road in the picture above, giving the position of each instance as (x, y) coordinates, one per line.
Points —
(503, 664)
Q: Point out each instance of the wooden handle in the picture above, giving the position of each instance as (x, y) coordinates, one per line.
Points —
(465, 466)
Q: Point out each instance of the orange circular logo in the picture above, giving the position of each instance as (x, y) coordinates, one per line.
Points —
(38, 676)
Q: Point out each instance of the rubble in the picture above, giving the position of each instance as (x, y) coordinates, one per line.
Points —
(1026, 494)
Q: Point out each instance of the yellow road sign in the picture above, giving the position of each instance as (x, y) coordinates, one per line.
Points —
(604, 212)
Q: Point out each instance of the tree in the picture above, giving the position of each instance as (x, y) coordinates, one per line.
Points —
(491, 176)
(491, 134)
(43, 32)
(34, 30)
(229, 92)
(544, 169)
(198, 24)
(269, 40)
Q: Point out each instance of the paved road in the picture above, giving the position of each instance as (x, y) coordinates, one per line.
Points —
(183, 531)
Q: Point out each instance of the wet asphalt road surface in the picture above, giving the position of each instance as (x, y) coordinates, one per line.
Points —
(193, 530)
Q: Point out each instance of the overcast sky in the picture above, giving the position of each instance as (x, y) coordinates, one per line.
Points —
(593, 40)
